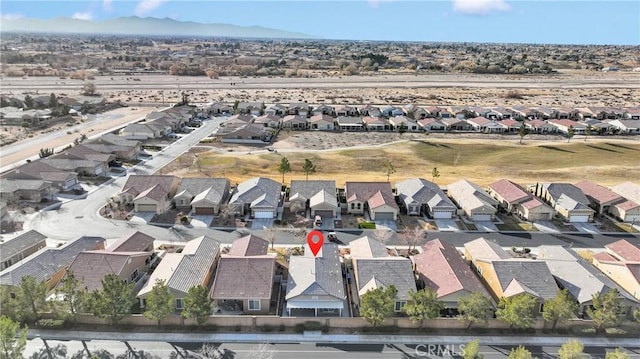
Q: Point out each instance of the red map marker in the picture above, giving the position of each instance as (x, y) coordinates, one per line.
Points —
(317, 244)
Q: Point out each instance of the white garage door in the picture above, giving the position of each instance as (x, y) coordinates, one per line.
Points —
(481, 217)
(263, 214)
(632, 218)
(382, 216)
(146, 208)
(442, 214)
(578, 219)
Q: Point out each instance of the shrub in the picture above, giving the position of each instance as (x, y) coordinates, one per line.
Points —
(267, 328)
(367, 225)
(299, 328)
(313, 326)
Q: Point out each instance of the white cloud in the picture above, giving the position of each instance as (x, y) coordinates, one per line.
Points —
(106, 5)
(479, 7)
(144, 6)
(82, 16)
(11, 16)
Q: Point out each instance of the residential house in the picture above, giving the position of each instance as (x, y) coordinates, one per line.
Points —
(301, 109)
(421, 196)
(318, 196)
(16, 249)
(454, 124)
(76, 154)
(121, 147)
(219, 108)
(193, 266)
(236, 121)
(633, 113)
(49, 264)
(506, 276)
(377, 123)
(392, 111)
(482, 124)
(37, 170)
(67, 162)
(580, 278)
(324, 110)
(629, 210)
(251, 108)
(315, 285)
(600, 198)
(374, 198)
(249, 133)
(346, 111)
(370, 111)
(367, 247)
(31, 190)
(415, 112)
(202, 195)
(513, 198)
(477, 204)
(244, 278)
(432, 124)
(627, 127)
(441, 268)
(276, 110)
(539, 126)
(568, 200)
(269, 120)
(350, 123)
(621, 262)
(563, 126)
(321, 122)
(381, 272)
(511, 125)
(259, 197)
(295, 122)
(404, 123)
(142, 131)
(148, 193)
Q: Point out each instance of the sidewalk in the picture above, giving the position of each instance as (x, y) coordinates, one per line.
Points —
(546, 340)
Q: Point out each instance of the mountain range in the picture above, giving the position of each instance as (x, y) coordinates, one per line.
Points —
(134, 25)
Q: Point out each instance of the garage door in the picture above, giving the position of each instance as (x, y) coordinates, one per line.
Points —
(442, 214)
(205, 210)
(324, 214)
(632, 218)
(146, 208)
(384, 216)
(578, 219)
(481, 217)
(263, 214)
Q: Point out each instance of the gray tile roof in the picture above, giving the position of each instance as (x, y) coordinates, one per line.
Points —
(214, 190)
(134, 242)
(534, 276)
(316, 276)
(244, 278)
(11, 247)
(12, 185)
(264, 190)
(48, 261)
(250, 245)
(90, 267)
(556, 190)
(421, 191)
(137, 184)
(182, 271)
(308, 189)
(384, 272)
(365, 247)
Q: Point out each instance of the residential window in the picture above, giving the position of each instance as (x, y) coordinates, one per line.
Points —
(134, 275)
(179, 303)
(359, 205)
(353, 205)
(254, 304)
(399, 305)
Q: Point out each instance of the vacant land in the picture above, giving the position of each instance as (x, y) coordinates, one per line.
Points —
(483, 161)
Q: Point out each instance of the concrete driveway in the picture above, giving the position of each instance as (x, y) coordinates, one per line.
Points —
(447, 225)
(546, 227)
(201, 220)
(586, 228)
(486, 226)
(386, 224)
(262, 223)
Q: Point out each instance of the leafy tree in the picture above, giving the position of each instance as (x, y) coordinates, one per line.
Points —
(423, 305)
(559, 309)
(115, 299)
(28, 102)
(88, 89)
(570, 133)
(472, 350)
(617, 354)
(31, 298)
(197, 304)
(474, 308)
(53, 101)
(73, 296)
(13, 341)
(389, 169)
(587, 132)
(572, 349)
(520, 353)
(284, 167)
(434, 174)
(159, 302)
(517, 311)
(45, 152)
(308, 167)
(378, 304)
(8, 304)
(522, 131)
(605, 309)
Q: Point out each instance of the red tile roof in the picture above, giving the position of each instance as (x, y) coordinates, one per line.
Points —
(598, 193)
(625, 250)
(510, 191)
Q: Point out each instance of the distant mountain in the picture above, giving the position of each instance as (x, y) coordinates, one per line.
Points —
(134, 25)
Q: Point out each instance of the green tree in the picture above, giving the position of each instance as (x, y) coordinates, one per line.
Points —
(474, 308)
(28, 102)
(560, 308)
(378, 304)
(617, 354)
(472, 350)
(114, 300)
(308, 167)
(284, 167)
(517, 311)
(45, 152)
(197, 304)
(8, 304)
(605, 309)
(434, 174)
(12, 340)
(522, 131)
(31, 298)
(520, 353)
(587, 132)
(53, 101)
(423, 305)
(389, 169)
(570, 133)
(572, 349)
(159, 302)
(72, 295)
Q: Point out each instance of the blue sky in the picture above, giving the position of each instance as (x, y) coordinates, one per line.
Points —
(513, 21)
